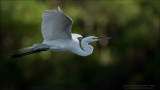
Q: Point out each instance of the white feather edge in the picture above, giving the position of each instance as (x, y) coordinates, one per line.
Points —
(59, 9)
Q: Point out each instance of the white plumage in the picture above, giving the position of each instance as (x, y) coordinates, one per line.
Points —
(56, 31)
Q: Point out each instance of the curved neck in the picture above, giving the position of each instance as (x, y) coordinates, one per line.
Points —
(86, 49)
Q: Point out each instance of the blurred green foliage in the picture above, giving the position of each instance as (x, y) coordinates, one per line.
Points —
(131, 57)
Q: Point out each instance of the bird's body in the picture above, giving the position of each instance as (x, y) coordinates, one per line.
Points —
(56, 31)
(60, 44)
(72, 45)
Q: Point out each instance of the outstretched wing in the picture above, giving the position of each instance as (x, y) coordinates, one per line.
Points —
(56, 25)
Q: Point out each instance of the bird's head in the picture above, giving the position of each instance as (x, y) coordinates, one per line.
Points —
(94, 38)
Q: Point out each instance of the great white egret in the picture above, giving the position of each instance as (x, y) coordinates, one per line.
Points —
(56, 31)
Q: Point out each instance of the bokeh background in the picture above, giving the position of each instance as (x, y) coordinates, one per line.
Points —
(131, 57)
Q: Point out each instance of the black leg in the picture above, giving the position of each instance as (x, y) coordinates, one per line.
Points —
(16, 55)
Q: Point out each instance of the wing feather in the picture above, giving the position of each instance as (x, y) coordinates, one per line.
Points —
(56, 25)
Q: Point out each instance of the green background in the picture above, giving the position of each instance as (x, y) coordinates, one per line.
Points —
(131, 57)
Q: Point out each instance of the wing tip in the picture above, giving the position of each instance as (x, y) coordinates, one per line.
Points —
(59, 9)
(49, 12)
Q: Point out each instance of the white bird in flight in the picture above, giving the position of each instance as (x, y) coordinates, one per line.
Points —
(56, 31)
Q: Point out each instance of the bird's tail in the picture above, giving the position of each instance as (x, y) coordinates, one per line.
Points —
(16, 55)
